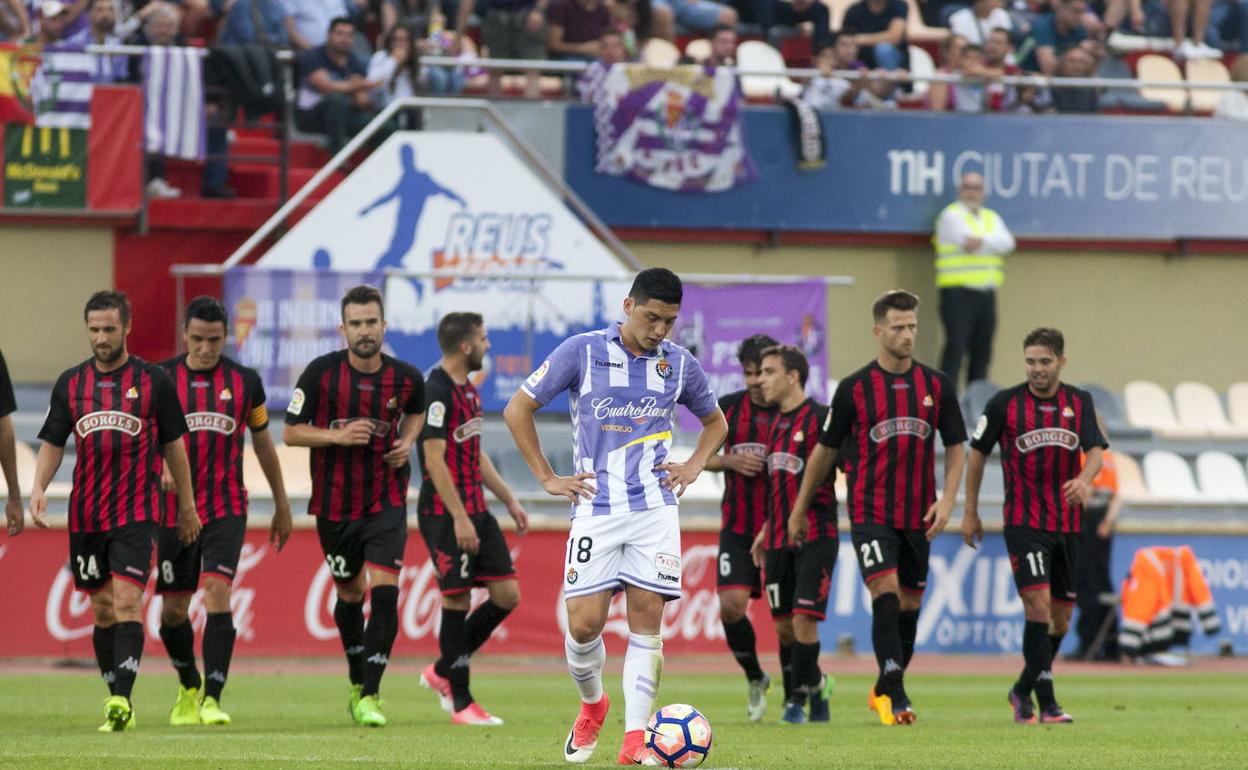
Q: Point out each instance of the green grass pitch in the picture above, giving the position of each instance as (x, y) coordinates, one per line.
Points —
(1153, 720)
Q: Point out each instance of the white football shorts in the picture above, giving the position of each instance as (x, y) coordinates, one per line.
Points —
(639, 548)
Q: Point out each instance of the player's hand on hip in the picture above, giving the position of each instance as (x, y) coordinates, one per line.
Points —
(799, 528)
(519, 516)
(1076, 491)
(972, 529)
(679, 475)
(937, 518)
(745, 464)
(466, 535)
(167, 484)
(279, 528)
(39, 509)
(400, 452)
(15, 516)
(576, 488)
(756, 548)
(188, 524)
(355, 433)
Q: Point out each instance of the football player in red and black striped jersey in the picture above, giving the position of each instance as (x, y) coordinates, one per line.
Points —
(1042, 425)
(124, 416)
(222, 400)
(463, 537)
(744, 465)
(798, 560)
(360, 411)
(883, 427)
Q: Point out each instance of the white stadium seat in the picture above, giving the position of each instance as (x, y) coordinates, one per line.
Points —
(921, 64)
(1169, 477)
(1237, 404)
(659, 53)
(1131, 484)
(1221, 477)
(698, 49)
(1199, 409)
(1148, 406)
(757, 56)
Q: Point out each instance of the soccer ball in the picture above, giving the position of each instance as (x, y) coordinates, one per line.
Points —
(677, 736)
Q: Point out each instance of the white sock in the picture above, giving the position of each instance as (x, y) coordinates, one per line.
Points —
(585, 662)
(643, 667)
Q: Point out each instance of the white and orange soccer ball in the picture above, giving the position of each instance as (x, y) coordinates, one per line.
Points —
(677, 736)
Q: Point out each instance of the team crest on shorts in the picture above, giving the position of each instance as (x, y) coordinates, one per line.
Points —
(572, 576)
(663, 368)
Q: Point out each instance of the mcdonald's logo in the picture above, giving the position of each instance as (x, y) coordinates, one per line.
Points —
(46, 136)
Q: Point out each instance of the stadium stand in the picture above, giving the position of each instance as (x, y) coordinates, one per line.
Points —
(1169, 477)
(1154, 67)
(1148, 406)
(1200, 410)
(1221, 477)
(756, 56)
(1237, 400)
(1206, 71)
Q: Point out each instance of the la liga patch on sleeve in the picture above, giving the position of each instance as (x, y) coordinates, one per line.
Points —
(296, 402)
(437, 414)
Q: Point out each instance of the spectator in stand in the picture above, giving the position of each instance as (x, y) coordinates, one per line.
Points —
(1052, 35)
(333, 91)
(309, 20)
(160, 28)
(977, 22)
(1076, 63)
(723, 46)
(879, 31)
(611, 52)
(1175, 18)
(971, 94)
(640, 20)
(14, 21)
(238, 24)
(1234, 104)
(418, 14)
(53, 23)
(574, 27)
(513, 29)
(948, 62)
(437, 41)
(998, 59)
(827, 91)
(102, 18)
(787, 13)
(696, 15)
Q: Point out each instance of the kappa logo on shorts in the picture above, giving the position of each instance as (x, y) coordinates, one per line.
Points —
(225, 570)
(572, 576)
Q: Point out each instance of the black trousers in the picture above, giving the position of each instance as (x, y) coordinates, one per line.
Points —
(776, 13)
(1092, 580)
(970, 318)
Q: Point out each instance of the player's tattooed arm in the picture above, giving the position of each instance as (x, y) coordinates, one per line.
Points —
(972, 527)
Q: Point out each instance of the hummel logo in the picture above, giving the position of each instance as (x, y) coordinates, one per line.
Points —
(378, 659)
(890, 666)
(129, 664)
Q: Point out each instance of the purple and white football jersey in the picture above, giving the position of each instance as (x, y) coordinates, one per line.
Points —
(622, 408)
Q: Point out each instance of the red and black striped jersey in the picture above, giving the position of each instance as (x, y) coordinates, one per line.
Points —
(120, 421)
(1042, 440)
(349, 483)
(454, 415)
(744, 505)
(884, 427)
(220, 404)
(794, 436)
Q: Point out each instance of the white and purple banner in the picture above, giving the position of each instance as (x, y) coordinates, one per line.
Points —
(675, 129)
(714, 319)
(175, 122)
(62, 87)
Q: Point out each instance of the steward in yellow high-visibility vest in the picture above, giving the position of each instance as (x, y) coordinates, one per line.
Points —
(971, 243)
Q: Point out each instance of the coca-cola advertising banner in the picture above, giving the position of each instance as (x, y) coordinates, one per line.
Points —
(283, 602)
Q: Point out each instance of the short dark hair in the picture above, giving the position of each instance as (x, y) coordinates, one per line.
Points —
(895, 299)
(715, 30)
(362, 295)
(1046, 337)
(972, 48)
(340, 20)
(109, 300)
(455, 328)
(657, 283)
(207, 309)
(750, 351)
(793, 358)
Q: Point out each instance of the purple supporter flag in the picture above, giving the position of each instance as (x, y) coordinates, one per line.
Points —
(675, 129)
(62, 87)
(714, 319)
(175, 121)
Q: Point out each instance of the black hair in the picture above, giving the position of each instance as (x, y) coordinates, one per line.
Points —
(656, 283)
(1046, 337)
(207, 309)
(340, 20)
(362, 295)
(109, 300)
(715, 30)
(750, 351)
(896, 299)
(455, 328)
(793, 359)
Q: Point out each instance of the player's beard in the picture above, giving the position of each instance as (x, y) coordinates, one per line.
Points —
(475, 362)
(108, 355)
(365, 348)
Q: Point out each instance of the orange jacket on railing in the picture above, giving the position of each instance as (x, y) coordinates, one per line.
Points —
(1158, 598)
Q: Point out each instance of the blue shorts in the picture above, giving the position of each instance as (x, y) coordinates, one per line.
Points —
(698, 16)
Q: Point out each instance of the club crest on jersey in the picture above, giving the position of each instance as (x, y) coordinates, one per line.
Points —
(928, 402)
(898, 426)
(468, 430)
(749, 448)
(379, 427)
(225, 395)
(783, 461)
(1042, 437)
(800, 436)
(393, 403)
(213, 421)
(980, 427)
(1068, 413)
(109, 420)
(663, 368)
(132, 394)
(572, 576)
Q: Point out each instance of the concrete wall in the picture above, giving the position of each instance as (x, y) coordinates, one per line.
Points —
(46, 275)
(1125, 315)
